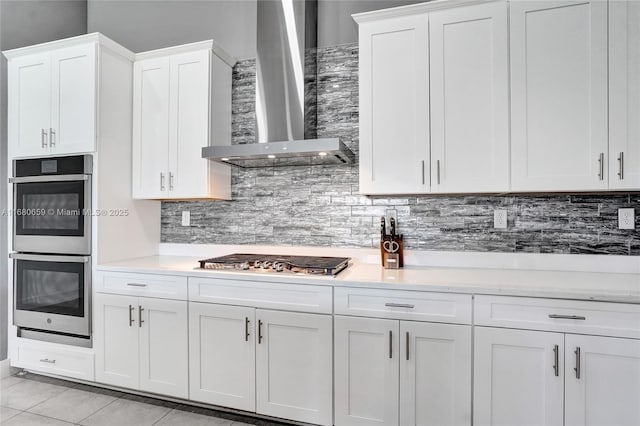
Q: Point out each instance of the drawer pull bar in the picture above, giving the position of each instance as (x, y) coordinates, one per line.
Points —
(577, 367)
(390, 344)
(556, 359)
(48, 361)
(570, 317)
(140, 320)
(246, 329)
(259, 331)
(399, 305)
(136, 285)
(131, 309)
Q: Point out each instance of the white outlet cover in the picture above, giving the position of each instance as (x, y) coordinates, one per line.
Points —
(626, 218)
(186, 218)
(500, 219)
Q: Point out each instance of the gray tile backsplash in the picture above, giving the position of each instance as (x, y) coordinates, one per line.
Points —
(321, 206)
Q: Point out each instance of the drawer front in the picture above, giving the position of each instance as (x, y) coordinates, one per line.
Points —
(567, 316)
(287, 297)
(68, 362)
(146, 285)
(404, 305)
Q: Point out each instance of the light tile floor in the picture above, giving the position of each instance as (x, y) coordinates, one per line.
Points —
(34, 400)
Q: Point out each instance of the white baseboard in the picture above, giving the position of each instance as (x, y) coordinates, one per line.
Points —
(5, 368)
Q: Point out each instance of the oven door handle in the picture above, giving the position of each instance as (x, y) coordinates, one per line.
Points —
(51, 178)
(47, 258)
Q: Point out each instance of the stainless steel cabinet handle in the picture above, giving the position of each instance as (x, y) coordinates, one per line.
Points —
(161, 181)
(140, 320)
(423, 172)
(131, 308)
(43, 137)
(246, 329)
(438, 171)
(577, 367)
(569, 317)
(52, 141)
(48, 361)
(556, 359)
(259, 331)
(170, 181)
(390, 344)
(136, 285)
(407, 345)
(399, 305)
(621, 166)
(601, 166)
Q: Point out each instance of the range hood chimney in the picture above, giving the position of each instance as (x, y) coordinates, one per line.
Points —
(286, 69)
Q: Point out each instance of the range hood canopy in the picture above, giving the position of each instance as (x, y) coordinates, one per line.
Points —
(286, 100)
(290, 153)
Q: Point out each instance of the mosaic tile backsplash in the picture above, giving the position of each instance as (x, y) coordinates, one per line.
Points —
(321, 206)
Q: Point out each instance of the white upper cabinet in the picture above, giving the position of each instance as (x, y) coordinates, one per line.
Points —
(559, 95)
(394, 105)
(182, 103)
(624, 94)
(52, 98)
(469, 99)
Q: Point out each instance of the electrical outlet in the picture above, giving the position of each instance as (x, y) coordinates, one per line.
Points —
(500, 219)
(391, 213)
(186, 218)
(626, 219)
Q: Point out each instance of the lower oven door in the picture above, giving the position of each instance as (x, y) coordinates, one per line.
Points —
(52, 293)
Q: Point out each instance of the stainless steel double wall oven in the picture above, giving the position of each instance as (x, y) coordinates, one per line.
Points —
(52, 216)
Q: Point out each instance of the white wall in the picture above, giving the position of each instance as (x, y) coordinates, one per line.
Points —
(23, 23)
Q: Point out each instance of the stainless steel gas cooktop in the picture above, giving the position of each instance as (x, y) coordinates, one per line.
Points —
(316, 265)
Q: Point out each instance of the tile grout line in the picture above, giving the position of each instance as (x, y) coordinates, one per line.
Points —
(167, 413)
(98, 410)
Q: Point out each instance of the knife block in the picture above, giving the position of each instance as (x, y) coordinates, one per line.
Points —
(400, 253)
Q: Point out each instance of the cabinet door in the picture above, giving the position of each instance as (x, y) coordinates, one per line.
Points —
(189, 124)
(294, 365)
(222, 355)
(624, 94)
(394, 106)
(73, 100)
(518, 377)
(164, 346)
(559, 95)
(29, 119)
(151, 128)
(435, 374)
(607, 389)
(116, 340)
(469, 99)
(366, 374)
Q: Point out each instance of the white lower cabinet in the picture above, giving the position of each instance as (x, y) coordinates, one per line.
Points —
(602, 381)
(391, 372)
(294, 366)
(222, 361)
(518, 377)
(141, 343)
(275, 363)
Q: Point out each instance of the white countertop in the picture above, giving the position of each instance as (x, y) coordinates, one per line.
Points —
(601, 286)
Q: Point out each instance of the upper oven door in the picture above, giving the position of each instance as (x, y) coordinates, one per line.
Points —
(52, 214)
(52, 292)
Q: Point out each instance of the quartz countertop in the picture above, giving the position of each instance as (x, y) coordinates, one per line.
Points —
(610, 287)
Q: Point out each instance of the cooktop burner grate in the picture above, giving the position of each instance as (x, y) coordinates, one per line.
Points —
(317, 265)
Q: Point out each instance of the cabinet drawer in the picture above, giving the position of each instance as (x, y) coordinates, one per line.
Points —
(404, 305)
(147, 285)
(288, 297)
(55, 359)
(568, 316)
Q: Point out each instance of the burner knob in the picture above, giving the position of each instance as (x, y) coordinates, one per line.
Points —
(257, 264)
(244, 266)
(278, 266)
(267, 264)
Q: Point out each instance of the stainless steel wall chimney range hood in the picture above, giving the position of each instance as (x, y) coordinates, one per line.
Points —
(285, 94)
